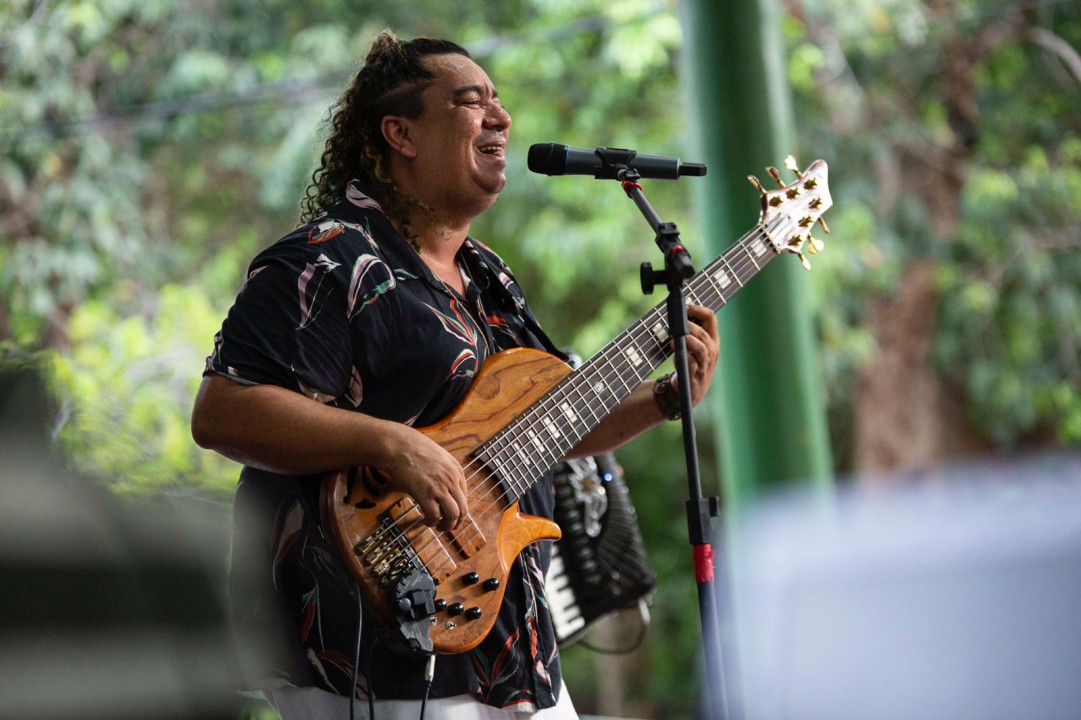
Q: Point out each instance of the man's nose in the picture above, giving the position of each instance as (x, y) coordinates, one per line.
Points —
(498, 117)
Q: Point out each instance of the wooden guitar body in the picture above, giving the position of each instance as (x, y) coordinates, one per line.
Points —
(524, 413)
(369, 525)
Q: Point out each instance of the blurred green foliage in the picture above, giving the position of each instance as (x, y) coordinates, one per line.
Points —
(873, 87)
(151, 147)
(129, 387)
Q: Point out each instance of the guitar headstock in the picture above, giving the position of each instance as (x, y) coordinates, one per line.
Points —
(789, 213)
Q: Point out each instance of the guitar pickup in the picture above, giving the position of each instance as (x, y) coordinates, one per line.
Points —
(467, 537)
(422, 544)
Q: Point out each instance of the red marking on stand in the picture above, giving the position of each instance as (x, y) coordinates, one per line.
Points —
(703, 563)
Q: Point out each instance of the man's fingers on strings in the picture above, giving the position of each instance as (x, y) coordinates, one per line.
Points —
(431, 511)
(458, 495)
(449, 519)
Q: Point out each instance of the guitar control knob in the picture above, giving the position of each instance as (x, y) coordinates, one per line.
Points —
(440, 605)
(471, 579)
(455, 609)
(491, 584)
(474, 613)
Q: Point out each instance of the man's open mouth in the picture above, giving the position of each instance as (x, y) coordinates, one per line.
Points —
(493, 149)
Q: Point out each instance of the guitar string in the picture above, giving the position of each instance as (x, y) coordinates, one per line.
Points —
(742, 265)
(504, 453)
(758, 233)
(605, 371)
(501, 447)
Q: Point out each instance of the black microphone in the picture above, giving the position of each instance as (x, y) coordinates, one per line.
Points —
(605, 163)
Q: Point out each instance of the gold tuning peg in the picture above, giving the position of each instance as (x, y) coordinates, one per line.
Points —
(795, 245)
(825, 227)
(814, 245)
(776, 175)
(757, 183)
(790, 164)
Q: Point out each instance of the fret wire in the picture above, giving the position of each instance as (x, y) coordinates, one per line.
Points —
(538, 460)
(604, 359)
(732, 272)
(704, 288)
(555, 408)
(550, 407)
(749, 248)
(717, 288)
(736, 270)
(522, 459)
(521, 467)
(643, 361)
(489, 454)
(586, 405)
(534, 444)
(531, 420)
(619, 375)
(655, 351)
(606, 362)
(746, 244)
(544, 412)
(511, 466)
(750, 257)
(621, 369)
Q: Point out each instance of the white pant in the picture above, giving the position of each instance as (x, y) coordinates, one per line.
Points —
(309, 703)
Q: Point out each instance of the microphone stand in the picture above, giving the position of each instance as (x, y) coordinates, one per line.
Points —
(700, 510)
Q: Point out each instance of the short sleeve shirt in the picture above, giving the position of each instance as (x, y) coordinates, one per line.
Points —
(344, 311)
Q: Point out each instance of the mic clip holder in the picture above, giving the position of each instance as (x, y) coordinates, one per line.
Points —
(614, 162)
(677, 261)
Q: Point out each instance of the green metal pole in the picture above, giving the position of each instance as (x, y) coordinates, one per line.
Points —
(768, 395)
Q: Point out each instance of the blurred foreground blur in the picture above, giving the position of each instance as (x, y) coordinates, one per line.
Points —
(108, 609)
(948, 596)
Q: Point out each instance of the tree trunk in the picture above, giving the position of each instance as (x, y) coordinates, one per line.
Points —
(907, 418)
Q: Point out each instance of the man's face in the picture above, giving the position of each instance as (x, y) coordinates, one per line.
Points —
(460, 140)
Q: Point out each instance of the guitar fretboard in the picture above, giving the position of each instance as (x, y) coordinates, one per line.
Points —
(541, 437)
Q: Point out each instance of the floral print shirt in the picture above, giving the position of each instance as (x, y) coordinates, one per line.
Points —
(344, 311)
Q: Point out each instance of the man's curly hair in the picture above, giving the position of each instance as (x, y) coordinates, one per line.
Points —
(390, 82)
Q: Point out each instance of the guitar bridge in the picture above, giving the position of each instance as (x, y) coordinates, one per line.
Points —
(387, 552)
(401, 546)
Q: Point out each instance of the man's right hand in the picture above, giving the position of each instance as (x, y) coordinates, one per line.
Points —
(279, 430)
(422, 469)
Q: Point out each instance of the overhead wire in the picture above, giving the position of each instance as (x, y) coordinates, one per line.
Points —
(286, 93)
(295, 91)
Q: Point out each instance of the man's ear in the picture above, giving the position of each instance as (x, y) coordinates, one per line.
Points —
(396, 131)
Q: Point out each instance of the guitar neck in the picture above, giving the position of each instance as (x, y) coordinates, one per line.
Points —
(542, 436)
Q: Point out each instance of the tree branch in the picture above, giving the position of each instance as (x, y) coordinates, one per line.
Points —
(1052, 42)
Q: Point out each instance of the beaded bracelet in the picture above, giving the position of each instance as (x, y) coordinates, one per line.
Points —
(664, 394)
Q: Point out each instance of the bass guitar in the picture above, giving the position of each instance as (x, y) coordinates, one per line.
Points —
(441, 591)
